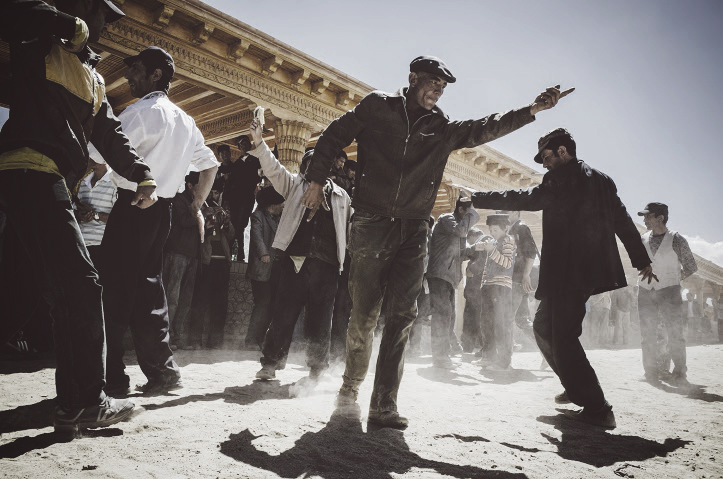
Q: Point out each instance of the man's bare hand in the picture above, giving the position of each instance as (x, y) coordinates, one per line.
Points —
(647, 273)
(313, 198)
(257, 133)
(526, 284)
(201, 222)
(266, 259)
(548, 99)
(145, 197)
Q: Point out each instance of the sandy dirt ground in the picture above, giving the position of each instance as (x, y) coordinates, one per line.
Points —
(463, 424)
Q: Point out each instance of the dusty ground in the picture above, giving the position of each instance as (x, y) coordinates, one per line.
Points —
(463, 424)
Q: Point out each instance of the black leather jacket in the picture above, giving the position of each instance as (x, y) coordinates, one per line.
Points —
(400, 166)
(58, 102)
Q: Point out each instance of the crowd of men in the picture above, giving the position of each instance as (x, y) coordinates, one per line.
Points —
(155, 217)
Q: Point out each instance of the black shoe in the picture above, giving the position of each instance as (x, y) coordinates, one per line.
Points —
(387, 419)
(603, 417)
(117, 389)
(109, 412)
(562, 398)
(153, 387)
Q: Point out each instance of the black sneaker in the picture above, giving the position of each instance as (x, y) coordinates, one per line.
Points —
(153, 387)
(603, 417)
(109, 412)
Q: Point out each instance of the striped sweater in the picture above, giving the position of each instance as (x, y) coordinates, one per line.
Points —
(500, 262)
(101, 198)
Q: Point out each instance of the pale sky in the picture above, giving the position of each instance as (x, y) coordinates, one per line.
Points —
(648, 109)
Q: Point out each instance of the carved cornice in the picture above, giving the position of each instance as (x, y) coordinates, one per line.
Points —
(131, 38)
(223, 128)
(162, 16)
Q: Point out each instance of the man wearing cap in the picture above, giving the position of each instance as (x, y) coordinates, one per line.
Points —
(662, 301)
(132, 247)
(180, 261)
(58, 105)
(263, 270)
(582, 214)
(447, 250)
(404, 141)
(238, 196)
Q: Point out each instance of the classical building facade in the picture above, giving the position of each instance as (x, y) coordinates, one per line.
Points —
(225, 68)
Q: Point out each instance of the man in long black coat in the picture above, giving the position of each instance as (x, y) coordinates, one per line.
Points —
(582, 214)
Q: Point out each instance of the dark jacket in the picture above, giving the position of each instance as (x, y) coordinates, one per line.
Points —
(582, 213)
(448, 247)
(184, 237)
(400, 166)
(243, 177)
(58, 101)
(263, 230)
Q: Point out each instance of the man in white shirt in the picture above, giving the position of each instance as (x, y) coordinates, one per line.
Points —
(132, 247)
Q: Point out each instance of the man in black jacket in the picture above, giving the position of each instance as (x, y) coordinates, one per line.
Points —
(403, 141)
(582, 214)
(58, 105)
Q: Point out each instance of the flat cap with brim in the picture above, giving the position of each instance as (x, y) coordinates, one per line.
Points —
(658, 209)
(154, 57)
(545, 140)
(501, 220)
(115, 12)
(433, 65)
(268, 196)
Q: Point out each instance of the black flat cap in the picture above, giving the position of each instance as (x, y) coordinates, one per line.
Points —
(115, 12)
(154, 57)
(658, 209)
(268, 196)
(433, 65)
(543, 141)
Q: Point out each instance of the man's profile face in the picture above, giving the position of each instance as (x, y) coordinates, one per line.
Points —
(551, 160)
(497, 231)
(244, 146)
(339, 162)
(652, 221)
(426, 88)
(224, 155)
(139, 81)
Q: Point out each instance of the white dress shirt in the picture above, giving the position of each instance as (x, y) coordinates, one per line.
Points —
(167, 139)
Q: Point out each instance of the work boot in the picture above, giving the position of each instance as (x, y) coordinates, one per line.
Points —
(603, 417)
(266, 373)
(387, 419)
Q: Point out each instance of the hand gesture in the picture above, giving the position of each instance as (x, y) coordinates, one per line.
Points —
(526, 284)
(548, 99)
(266, 259)
(145, 197)
(647, 273)
(313, 198)
(257, 133)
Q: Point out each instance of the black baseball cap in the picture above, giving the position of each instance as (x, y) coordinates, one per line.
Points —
(115, 12)
(154, 57)
(433, 65)
(658, 209)
(549, 136)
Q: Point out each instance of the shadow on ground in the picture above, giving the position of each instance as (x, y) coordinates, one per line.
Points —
(594, 446)
(693, 391)
(343, 450)
(242, 395)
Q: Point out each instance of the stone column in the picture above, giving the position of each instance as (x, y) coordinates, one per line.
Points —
(292, 136)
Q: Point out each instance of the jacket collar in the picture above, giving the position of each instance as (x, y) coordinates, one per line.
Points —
(402, 94)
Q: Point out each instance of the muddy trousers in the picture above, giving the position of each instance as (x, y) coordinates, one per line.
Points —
(656, 307)
(39, 212)
(387, 258)
(558, 326)
(495, 302)
(133, 293)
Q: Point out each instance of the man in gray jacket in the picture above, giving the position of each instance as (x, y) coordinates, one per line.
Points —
(446, 251)
(263, 270)
(311, 258)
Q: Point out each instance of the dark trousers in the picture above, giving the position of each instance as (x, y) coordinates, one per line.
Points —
(264, 293)
(240, 212)
(133, 294)
(558, 326)
(179, 278)
(495, 302)
(39, 213)
(387, 259)
(663, 306)
(340, 317)
(314, 286)
(424, 309)
(471, 334)
(442, 295)
(212, 304)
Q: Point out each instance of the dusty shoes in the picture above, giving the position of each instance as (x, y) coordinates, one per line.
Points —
(108, 412)
(153, 386)
(387, 419)
(266, 373)
(443, 363)
(562, 398)
(603, 417)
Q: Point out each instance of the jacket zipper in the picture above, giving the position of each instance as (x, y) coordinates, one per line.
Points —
(406, 141)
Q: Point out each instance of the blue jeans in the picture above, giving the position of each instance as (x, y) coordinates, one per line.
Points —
(39, 212)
